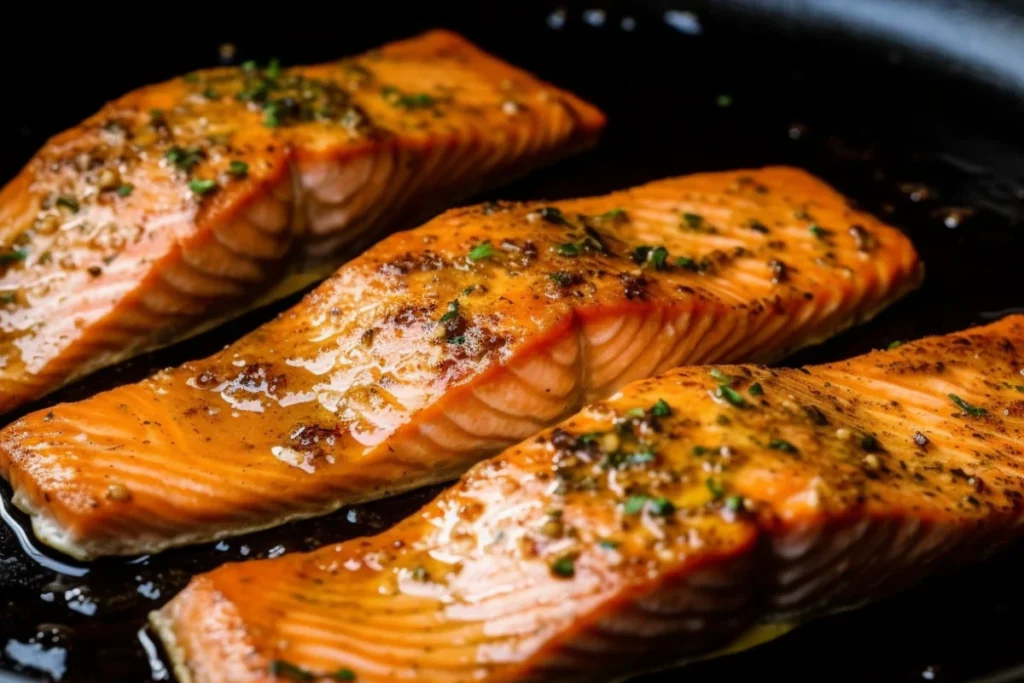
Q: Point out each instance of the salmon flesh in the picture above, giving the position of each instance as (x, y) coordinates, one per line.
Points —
(446, 344)
(185, 202)
(651, 527)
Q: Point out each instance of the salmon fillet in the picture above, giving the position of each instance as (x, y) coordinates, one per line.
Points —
(444, 345)
(185, 202)
(648, 528)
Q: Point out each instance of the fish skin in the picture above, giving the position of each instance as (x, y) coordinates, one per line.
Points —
(885, 479)
(363, 389)
(106, 250)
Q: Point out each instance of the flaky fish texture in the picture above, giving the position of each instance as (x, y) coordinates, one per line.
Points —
(446, 344)
(185, 202)
(651, 527)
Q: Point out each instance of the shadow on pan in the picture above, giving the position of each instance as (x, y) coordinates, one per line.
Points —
(911, 108)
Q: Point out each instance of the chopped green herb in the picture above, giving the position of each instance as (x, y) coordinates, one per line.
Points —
(287, 670)
(818, 231)
(634, 505)
(561, 278)
(274, 69)
(635, 412)
(564, 566)
(8, 297)
(202, 186)
(554, 215)
(721, 376)
(458, 341)
(661, 409)
(211, 94)
(687, 263)
(184, 159)
(731, 395)
(1019, 387)
(693, 220)
(661, 507)
(453, 311)
(895, 345)
(482, 251)
(125, 190)
(639, 458)
(420, 574)
(13, 256)
(701, 450)
(734, 503)
(756, 389)
(344, 675)
(272, 112)
(967, 407)
(239, 169)
(249, 65)
(715, 487)
(397, 98)
(69, 203)
(657, 258)
(724, 101)
(156, 114)
(608, 544)
(613, 216)
(567, 249)
(780, 445)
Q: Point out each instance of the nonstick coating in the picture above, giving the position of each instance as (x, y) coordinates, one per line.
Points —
(933, 152)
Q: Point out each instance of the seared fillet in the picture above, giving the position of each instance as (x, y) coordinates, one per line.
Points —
(648, 528)
(184, 202)
(446, 344)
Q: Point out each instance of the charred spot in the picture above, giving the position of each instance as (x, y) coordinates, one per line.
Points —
(863, 239)
(206, 379)
(1015, 409)
(634, 286)
(780, 271)
(563, 440)
(254, 375)
(314, 439)
(408, 262)
(973, 481)
(407, 314)
(815, 415)
(748, 183)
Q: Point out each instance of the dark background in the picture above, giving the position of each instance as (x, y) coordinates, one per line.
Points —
(912, 108)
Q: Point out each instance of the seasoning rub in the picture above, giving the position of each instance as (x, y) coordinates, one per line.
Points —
(444, 345)
(654, 558)
(185, 202)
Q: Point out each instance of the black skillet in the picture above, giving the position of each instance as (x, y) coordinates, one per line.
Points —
(911, 108)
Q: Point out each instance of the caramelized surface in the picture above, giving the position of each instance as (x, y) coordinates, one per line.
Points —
(186, 201)
(655, 525)
(443, 345)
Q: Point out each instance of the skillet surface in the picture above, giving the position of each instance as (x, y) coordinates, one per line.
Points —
(937, 155)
